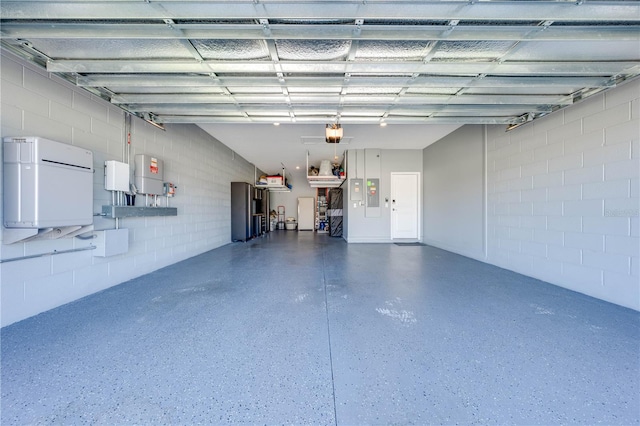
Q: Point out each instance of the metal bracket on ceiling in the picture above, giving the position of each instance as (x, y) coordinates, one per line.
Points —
(523, 119)
(450, 27)
(546, 24)
(151, 119)
(25, 49)
(358, 29)
(266, 29)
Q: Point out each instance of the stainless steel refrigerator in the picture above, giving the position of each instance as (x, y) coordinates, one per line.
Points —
(241, 214)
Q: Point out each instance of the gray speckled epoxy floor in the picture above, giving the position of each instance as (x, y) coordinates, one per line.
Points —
(298, 328)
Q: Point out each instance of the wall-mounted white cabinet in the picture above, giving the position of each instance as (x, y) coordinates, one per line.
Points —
(46, 184)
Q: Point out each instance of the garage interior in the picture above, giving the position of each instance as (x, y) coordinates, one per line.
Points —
(509, 292)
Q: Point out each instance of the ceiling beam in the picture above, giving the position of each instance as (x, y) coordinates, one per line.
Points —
(557, 68)
(201, 119)
(137, 31)
(224, 110)
(286, 9)
(181, 81)
(320, 99)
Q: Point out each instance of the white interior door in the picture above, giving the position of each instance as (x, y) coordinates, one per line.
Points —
(405, 208)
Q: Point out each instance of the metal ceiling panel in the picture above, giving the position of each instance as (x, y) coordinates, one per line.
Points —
(432, 90)
(312, 60)
(549, 90)
(81, 49)
(313, 89)
(254, 89)
(393, 50)
(487, 50)
(124, 90)
(312, 50)
(373, 90)
(232, 49)
(578, 50)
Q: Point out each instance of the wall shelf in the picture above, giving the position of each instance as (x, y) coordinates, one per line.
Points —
(324, 181)
(274, 187)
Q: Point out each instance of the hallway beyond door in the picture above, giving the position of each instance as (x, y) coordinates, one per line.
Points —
(300, 328)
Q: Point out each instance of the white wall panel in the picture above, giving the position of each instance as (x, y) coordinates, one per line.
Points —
(577, 225)
(454, 191)
(36, 104)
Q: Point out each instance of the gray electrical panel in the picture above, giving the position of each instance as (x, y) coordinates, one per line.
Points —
(372, 172)
(356, 188)
(47, 184)
(148, 175)
(373, 192)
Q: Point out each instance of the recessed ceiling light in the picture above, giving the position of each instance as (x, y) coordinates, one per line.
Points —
(297, 167)
(276, 124)
(383, 124)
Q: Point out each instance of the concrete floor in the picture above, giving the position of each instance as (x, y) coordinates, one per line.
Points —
(298, 328)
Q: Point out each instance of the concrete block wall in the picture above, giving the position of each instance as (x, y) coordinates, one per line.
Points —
(35, 103)
(563, 197)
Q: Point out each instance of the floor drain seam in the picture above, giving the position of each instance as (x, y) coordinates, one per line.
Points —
(326, 310)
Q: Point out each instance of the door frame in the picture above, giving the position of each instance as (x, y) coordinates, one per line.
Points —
(418, 176)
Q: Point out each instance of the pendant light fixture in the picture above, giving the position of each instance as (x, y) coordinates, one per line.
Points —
(333, 133)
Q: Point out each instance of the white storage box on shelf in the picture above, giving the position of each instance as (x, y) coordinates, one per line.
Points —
(325, 168)
(274, 180)
(273, 183)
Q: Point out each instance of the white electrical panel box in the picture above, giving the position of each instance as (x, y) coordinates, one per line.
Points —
(111, 242)
(116, 176)
(149, 174)
(46, 184)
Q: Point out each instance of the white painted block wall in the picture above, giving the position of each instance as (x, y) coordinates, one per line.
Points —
(563, 197)
(37, 104)
(560, 196)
